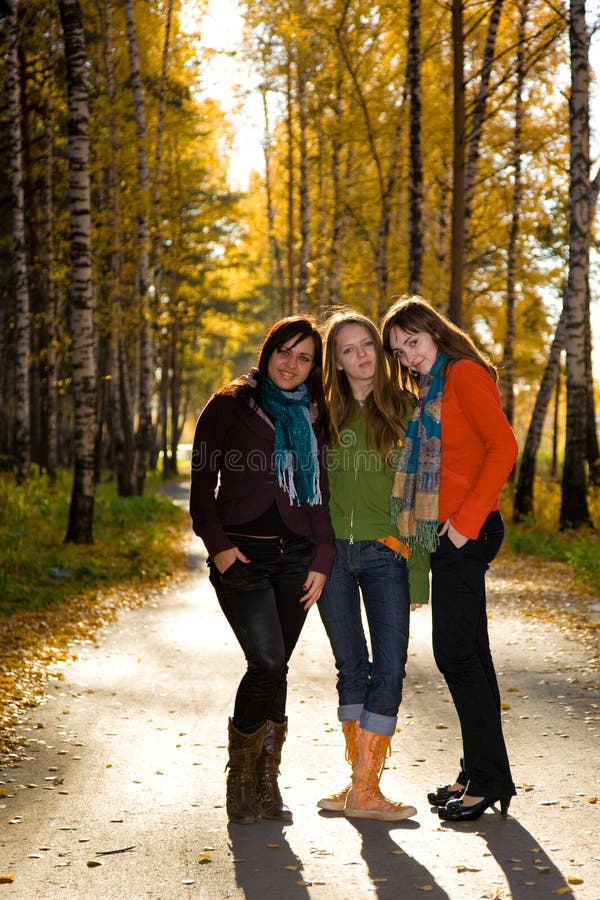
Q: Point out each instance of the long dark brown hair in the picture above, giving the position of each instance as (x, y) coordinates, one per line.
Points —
(412, 314)
(294, 329)
(387, 407)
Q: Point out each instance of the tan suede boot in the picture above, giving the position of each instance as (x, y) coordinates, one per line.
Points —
(336, 802)
(244, 750)
(268, 796)
(365, 800)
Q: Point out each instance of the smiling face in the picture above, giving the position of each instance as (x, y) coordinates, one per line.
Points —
(290, 365)
(416, 351)
(356, 355)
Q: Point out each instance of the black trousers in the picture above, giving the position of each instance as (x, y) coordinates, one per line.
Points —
(260, 601)
(462, 652)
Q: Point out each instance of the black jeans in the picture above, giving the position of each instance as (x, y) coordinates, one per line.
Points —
(260, 601)
(462, 653)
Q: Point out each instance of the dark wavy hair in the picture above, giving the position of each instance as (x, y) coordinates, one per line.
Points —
(413, 314)
(292, 329)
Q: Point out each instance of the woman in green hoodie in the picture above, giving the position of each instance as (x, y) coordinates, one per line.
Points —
(369, 411)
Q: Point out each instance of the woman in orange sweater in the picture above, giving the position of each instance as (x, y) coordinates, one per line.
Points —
(458, 452)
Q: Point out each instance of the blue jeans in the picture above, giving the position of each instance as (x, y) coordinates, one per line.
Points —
(369, 691)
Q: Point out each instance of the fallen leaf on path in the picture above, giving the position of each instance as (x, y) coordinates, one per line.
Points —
(7, 879)
(93, 863)
(398, 852)
(119, 850)
(563, 890)
(574, 879)
(273, 846)
(292, 868)
(466, 869)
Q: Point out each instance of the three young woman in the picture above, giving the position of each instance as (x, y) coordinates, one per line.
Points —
(271, 545)
(368, 411)
(458, 452)
(259, 500)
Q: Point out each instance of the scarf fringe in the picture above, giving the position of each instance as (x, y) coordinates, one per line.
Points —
(424, 534)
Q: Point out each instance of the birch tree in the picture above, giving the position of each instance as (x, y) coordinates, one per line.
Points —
(81, 511)
(21, 287)
(583, 194)
(144, 431)
(507, 370)
(415, 165)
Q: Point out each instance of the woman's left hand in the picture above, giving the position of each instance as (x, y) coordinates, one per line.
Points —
(458, 539)
(313, 586)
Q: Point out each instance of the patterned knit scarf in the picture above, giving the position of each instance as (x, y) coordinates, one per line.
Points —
(415, 494)
(296, 450)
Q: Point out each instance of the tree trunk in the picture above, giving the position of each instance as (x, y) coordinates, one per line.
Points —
(276, 279)
(479, 108)
(523, 499)
(302, 304)
(144, 433)
(457, 251)
(592, 452)
(120, 422)
(81, 512)
(415, 165)
(19, 255)
(508, 371)
(291, 189)
(574, 508)
(51, 370)
(340, 209)
(555, 425)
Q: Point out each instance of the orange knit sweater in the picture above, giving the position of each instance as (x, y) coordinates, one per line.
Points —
(479, 448)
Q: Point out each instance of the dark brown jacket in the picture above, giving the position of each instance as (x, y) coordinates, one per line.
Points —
(234, 480)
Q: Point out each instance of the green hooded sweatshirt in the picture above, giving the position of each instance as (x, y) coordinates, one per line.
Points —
(360, 484)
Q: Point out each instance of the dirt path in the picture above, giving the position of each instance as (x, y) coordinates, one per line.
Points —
(123, 765)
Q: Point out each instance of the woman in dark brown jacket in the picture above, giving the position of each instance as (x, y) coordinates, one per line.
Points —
(259, 502)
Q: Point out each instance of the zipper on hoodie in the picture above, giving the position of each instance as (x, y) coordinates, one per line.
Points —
(351, 538)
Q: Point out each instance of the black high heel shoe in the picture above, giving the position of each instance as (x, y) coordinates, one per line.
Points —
(443, 794)
(454, 811)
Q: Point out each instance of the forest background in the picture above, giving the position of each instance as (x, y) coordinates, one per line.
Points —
(440, 148)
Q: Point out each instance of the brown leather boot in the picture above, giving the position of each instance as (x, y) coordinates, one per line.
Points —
(365, 800)
(336, 802)
(244, 750)
(268, 797)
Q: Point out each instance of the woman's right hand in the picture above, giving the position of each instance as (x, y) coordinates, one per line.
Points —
(226, 558)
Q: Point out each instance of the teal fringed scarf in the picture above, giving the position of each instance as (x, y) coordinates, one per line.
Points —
(415, 494)
(296, 450)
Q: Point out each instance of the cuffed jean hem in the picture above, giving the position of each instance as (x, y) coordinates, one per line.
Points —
(378, 724)
(350, 713)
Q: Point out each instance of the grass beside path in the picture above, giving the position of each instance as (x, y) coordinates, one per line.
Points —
(55, 595)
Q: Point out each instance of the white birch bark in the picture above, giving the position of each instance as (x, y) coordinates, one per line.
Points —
(574, 508)
(22, 442)
(81, 512)
(144, 432)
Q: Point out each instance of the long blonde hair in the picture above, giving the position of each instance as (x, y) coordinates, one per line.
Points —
(412, 314)
(388, 406)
